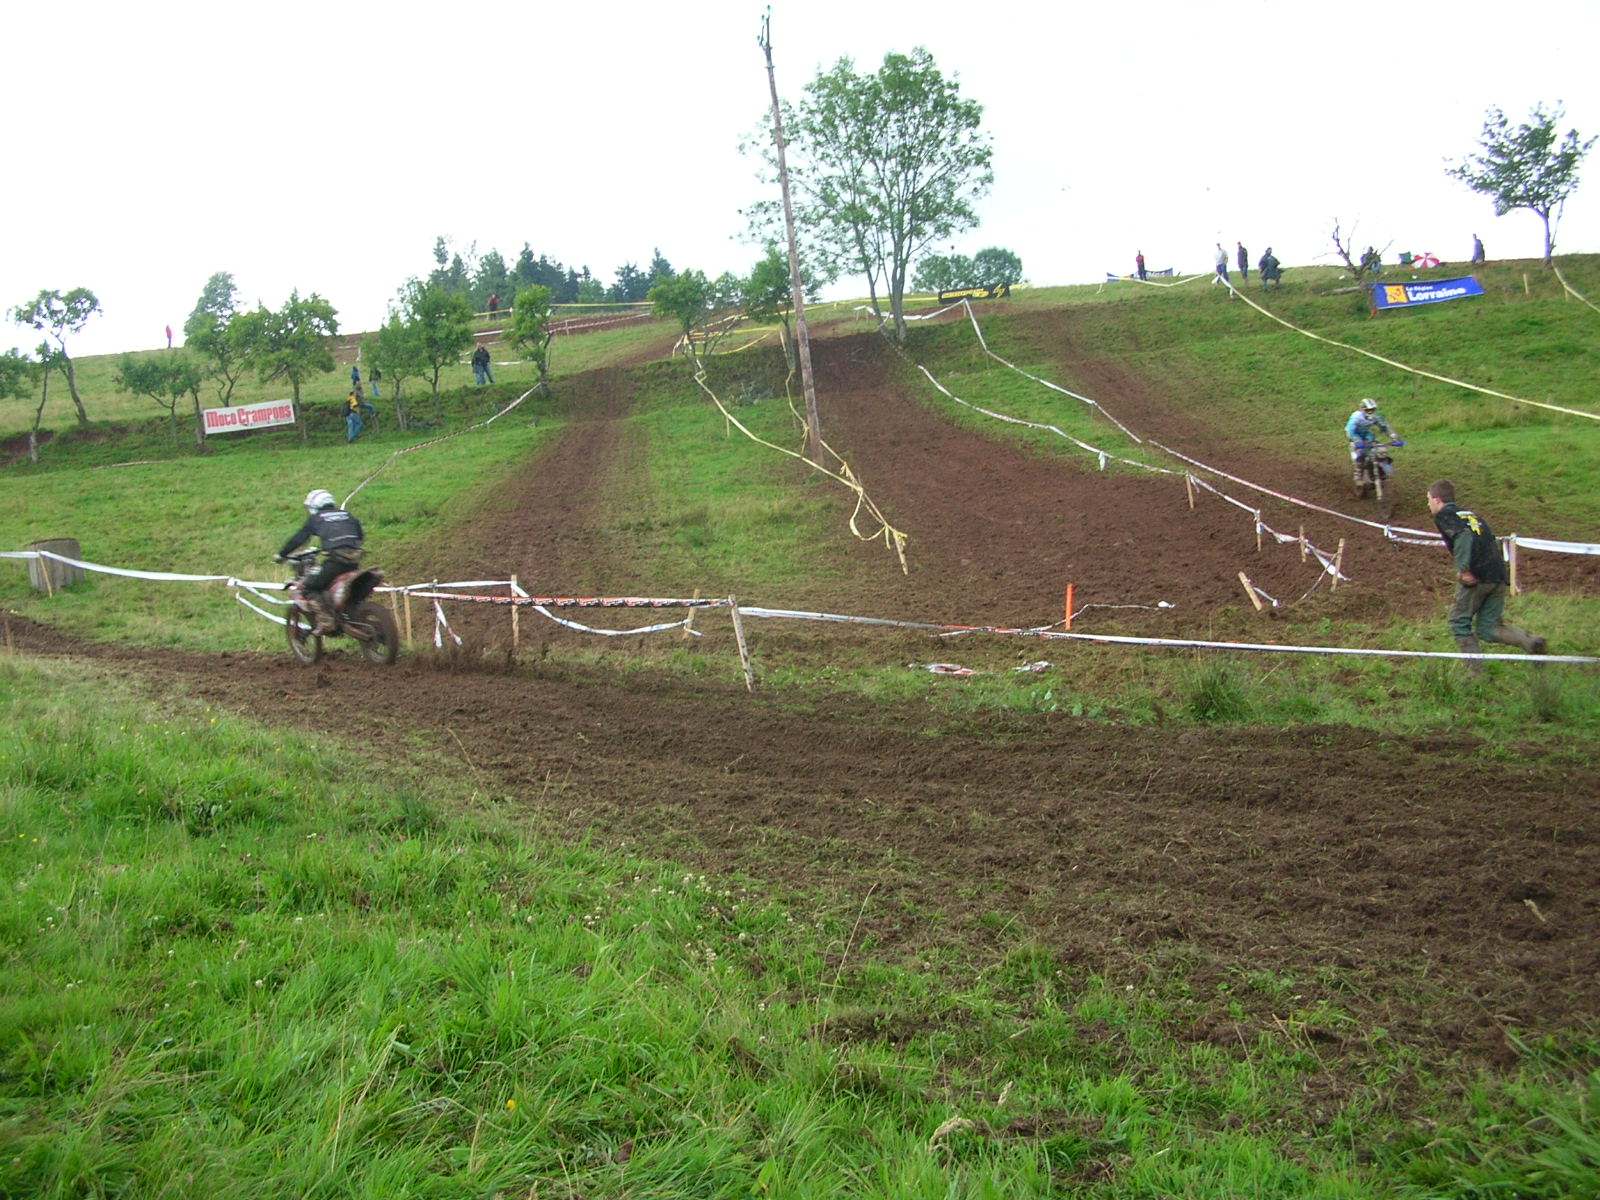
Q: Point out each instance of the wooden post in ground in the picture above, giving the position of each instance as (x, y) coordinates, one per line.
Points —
(688, 622)
(1068, 623)
(516, 613)
(1258, 531)
(1250, 590)
(1188, 486)
(407, 595)
(1302, 543)
(1511, 559)
(744, 649)
(1338, 564)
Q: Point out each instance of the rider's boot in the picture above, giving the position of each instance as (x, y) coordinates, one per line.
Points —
(1469, 645)
(324, 616)
(1521, 638)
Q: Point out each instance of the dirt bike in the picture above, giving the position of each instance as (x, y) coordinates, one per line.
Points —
(354, 613)
(1375, 475)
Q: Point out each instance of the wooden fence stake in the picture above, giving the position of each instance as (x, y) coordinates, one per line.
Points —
(1338, 563)
(1258, 532)
(1188, 486)
(1511, 556)
(744, 649)
(516, 613)
(688, 622)
(407, 596)
(1068, 623)
(1250, 590)
(1302, 543)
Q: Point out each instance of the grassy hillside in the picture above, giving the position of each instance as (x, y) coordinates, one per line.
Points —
(240, 961)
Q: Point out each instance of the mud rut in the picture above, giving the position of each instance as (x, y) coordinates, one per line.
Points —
(1442, 895)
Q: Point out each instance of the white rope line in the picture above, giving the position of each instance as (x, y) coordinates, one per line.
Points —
(1471, 387)
(388, 462)
(1572, 290)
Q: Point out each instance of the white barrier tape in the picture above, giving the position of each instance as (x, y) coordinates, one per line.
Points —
(545, 612)
(158, 576)
(388, 462)
(1166, 643)
(1572, 290)
(440, 623)
(260, 611)
(1095, 404)
(1471, 387)
(1559, 547)
(1103, 456)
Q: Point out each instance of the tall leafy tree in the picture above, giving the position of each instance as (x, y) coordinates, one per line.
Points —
(208, 332)
(632, 286)
(767, 294)
(1532, 166)
(685, 297)
(291, 343)
(56, 315)
(492, 279)
(943, 273)
(166, 379)
(18, 374)
(531, 331)
(441, 321)
(994, 265)
(397, 350)
(884, 165)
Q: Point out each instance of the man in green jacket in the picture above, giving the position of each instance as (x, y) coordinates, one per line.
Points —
(1481, 577)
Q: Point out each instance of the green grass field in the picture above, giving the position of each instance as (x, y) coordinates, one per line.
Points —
(230, 971)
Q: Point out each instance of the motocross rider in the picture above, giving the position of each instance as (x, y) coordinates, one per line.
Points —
(1363, 430)
(339, 535)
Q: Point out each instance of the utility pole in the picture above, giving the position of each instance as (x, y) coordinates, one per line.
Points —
(802, 335)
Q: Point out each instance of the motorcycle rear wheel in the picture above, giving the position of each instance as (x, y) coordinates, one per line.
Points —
(374, 627)
(305, 645)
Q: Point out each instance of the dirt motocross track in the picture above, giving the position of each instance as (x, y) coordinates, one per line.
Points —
(1443, 895)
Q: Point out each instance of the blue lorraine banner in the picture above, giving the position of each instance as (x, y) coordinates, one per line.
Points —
(1409, 295)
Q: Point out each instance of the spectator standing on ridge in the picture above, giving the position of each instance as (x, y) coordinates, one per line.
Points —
(355, 376)
(1270, 270)
(1138, 262)
(377, 376)
(1481, 578)
(352, 417)
(1222, 266)
(480, 365)
(1244, 262)
(1477, 252)
(169, 335)
(494, 304)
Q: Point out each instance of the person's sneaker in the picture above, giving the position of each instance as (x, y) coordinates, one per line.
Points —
(1537, 646)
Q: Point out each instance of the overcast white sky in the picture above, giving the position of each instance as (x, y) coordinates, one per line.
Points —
(326, 145)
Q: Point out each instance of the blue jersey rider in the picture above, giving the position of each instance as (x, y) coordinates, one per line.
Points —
(1363, 429)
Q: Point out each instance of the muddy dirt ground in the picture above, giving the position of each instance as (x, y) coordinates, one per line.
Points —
(1447, 896)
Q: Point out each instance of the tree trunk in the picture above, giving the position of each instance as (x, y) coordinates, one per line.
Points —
(1548, 244)
(300, 413)
(38, 415)
(199, 424)
(72, 386)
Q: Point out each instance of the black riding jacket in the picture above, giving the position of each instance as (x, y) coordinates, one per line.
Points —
(1472, 543)
(337, 530)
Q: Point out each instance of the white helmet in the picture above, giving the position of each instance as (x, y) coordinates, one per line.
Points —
(1369, 405)
(319, 499)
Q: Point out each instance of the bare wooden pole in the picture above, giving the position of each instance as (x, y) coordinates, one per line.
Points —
(802, 333)
(516, 612)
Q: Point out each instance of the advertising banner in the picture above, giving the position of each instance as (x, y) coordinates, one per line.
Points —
(993, 292)
(249, 416)
(1409, 295)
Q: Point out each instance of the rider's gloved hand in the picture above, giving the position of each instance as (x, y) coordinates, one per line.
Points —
(278, 558)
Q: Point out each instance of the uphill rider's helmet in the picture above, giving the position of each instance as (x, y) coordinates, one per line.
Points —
(318, 499)
(1369, 405)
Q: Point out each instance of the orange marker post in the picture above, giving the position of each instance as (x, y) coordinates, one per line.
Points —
(1067, 624)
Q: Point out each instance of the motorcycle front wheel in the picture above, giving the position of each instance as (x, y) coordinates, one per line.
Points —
(305, 645)
(373, 626)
